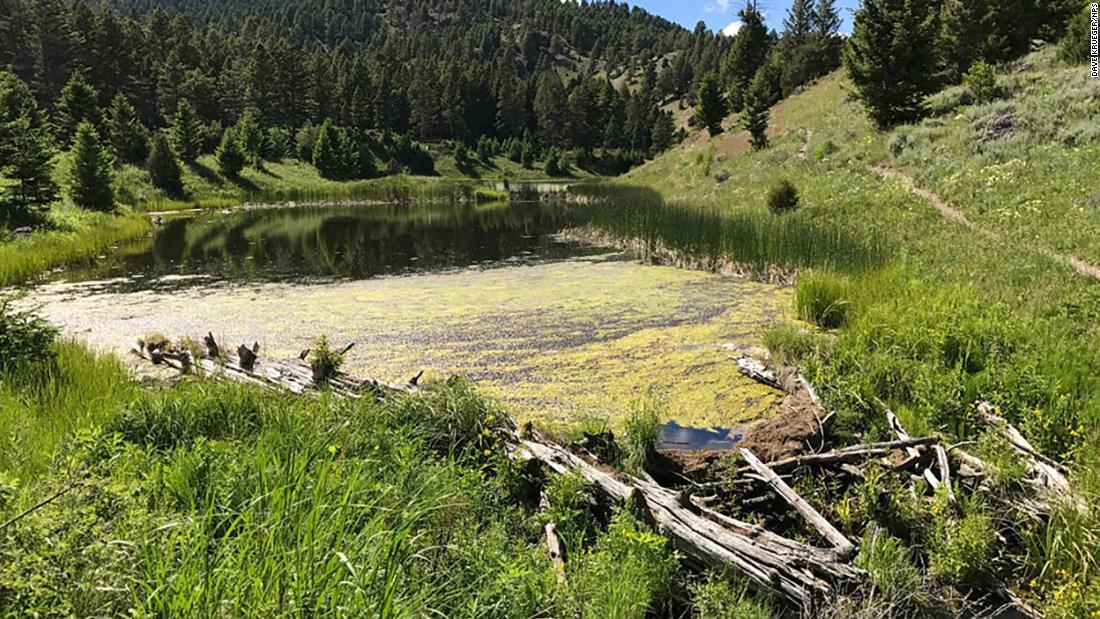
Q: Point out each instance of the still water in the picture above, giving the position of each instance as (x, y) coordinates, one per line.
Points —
(556, 328)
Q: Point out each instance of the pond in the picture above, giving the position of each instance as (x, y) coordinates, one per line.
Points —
(556, 328)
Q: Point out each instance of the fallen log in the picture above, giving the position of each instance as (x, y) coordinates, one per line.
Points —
(796, 573)
(843, 545)
(295, 376)
(1049, 472)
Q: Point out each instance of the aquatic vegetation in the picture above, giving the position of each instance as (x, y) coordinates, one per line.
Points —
(741, 234)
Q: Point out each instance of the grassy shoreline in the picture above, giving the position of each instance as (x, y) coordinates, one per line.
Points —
(953, 317)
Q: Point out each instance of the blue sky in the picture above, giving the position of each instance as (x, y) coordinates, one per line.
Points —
(720, 13)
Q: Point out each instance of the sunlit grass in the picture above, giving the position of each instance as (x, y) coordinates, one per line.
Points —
(21, 260)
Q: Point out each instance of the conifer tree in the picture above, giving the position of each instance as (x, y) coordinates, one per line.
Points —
(710, 104)
(755, 117)
(129, 139)
(890, 58)
(528, 156)
(550, 109)
(332, 152)
(25, 155)
(1074, 47)
(968, 33)
(799, 23)
(186, 132)
(230, 155)
(163, 167)
(746, 54)
(79, 103)
(826, 19)
(664, 131)
(91, 173)
(250, 132)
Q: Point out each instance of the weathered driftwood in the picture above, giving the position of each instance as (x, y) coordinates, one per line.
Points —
(847, 455)
(212, 349)
(843, 545)
(797, 573)
(914, 453)
(1049, 472)
(756, 370)
(945, 471)
(554, 547)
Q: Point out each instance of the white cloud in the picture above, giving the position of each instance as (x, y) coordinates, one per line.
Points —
(718, 6)
(732, 28)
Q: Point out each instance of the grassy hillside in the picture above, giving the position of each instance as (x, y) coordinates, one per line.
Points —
(993, 310)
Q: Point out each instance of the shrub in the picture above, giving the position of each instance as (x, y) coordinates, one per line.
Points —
(823, 299)
(960, 551)
(24, 336)
(783, 197)
(325, 361)
(981, 81)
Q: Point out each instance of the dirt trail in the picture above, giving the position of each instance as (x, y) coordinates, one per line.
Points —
(953, 213)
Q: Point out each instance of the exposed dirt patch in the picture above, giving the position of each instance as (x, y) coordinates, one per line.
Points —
(791, 430)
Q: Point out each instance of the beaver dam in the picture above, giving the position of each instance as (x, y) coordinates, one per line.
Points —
(556, 328)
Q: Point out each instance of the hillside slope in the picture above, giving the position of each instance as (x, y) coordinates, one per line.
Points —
(991, 219)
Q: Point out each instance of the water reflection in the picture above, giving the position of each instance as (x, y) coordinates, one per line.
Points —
(675, 437)
(345, 242)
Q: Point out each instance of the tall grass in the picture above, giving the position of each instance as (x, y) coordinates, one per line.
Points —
(749, 236)
(220, 500)
(44, 405)
(25, 259)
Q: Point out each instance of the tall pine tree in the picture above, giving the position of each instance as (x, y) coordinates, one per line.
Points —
(91, 173)
(891, 58)
(79, 103)
(186, 132)
(129, 139)
(755, 116)
(164, 169)
(25, 155)
(746, 54)
(710, 104)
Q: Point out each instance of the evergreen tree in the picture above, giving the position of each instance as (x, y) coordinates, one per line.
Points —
(553, 163)
(968, 33)
(826, 19)
(1074, 47)
(91, 173)
(664, 132)
(79, 103)
(710, 104)
(129, 139)
(746, 54)
(528, 156)
(890, 58)
(755, 117)
(550, 109)
(250, 132)
(25, 155)
(799, 23)
(332, 153)
(230, 155)
(163, 167)
(187, 132)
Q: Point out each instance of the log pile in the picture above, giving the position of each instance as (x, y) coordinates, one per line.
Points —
(795, 572)
(246, 366)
